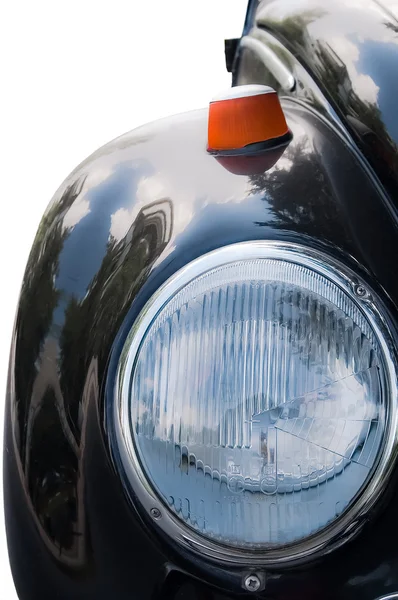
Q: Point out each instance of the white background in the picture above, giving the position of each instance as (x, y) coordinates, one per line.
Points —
(73, 76)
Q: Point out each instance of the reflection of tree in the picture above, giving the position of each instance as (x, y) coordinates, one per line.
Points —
(364, 117)
(38, 299)
(56, 371)
(49, 478)
(91, 325)
(330, 71)
(52, 476)
(392, 26)
(295, 190)
(294, 28)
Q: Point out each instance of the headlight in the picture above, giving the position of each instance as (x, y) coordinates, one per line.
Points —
(256, 403)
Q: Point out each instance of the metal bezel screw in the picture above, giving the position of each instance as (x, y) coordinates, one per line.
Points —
(252, 583)
(360, 291)
(155, 513)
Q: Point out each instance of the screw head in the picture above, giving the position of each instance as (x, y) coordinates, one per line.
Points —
(360, 291)
(252, 583)
(155, 513)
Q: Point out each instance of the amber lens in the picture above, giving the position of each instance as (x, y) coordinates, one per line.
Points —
(238, 122)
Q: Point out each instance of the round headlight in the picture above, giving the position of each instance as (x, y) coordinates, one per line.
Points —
(256, 403)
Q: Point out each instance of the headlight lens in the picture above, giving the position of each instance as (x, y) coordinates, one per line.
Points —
(255, 399)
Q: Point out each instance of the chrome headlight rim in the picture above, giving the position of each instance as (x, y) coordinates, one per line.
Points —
(343, 527)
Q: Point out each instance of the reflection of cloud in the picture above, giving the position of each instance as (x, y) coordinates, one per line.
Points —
(149, 189)
(362, 84)
(393, 8)
(97, 176)
(79, 209)
(345, 48)
(120, 223)
(177, 180)
(365, 87)
(81, 206)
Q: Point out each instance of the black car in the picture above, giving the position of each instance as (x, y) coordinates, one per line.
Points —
(202, 400)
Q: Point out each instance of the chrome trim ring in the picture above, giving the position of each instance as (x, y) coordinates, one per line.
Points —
(347, 524)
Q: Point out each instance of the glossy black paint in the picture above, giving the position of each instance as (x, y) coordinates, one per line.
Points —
(350, 51)
(133, 214)
(122, 223)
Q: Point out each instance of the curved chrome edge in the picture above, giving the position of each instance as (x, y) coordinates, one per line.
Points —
(348, 524)
(271, 61)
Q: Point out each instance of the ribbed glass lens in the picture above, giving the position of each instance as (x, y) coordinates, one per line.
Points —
(256, 403)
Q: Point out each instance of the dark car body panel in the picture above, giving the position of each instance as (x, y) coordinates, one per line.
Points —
(123, 222)
(350, 51)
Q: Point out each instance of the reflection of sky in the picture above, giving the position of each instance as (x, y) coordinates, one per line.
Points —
(242, 217)
(85, 247)
(120, 183)
(380, 61)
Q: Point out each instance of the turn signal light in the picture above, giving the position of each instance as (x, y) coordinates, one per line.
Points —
(243, 116)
